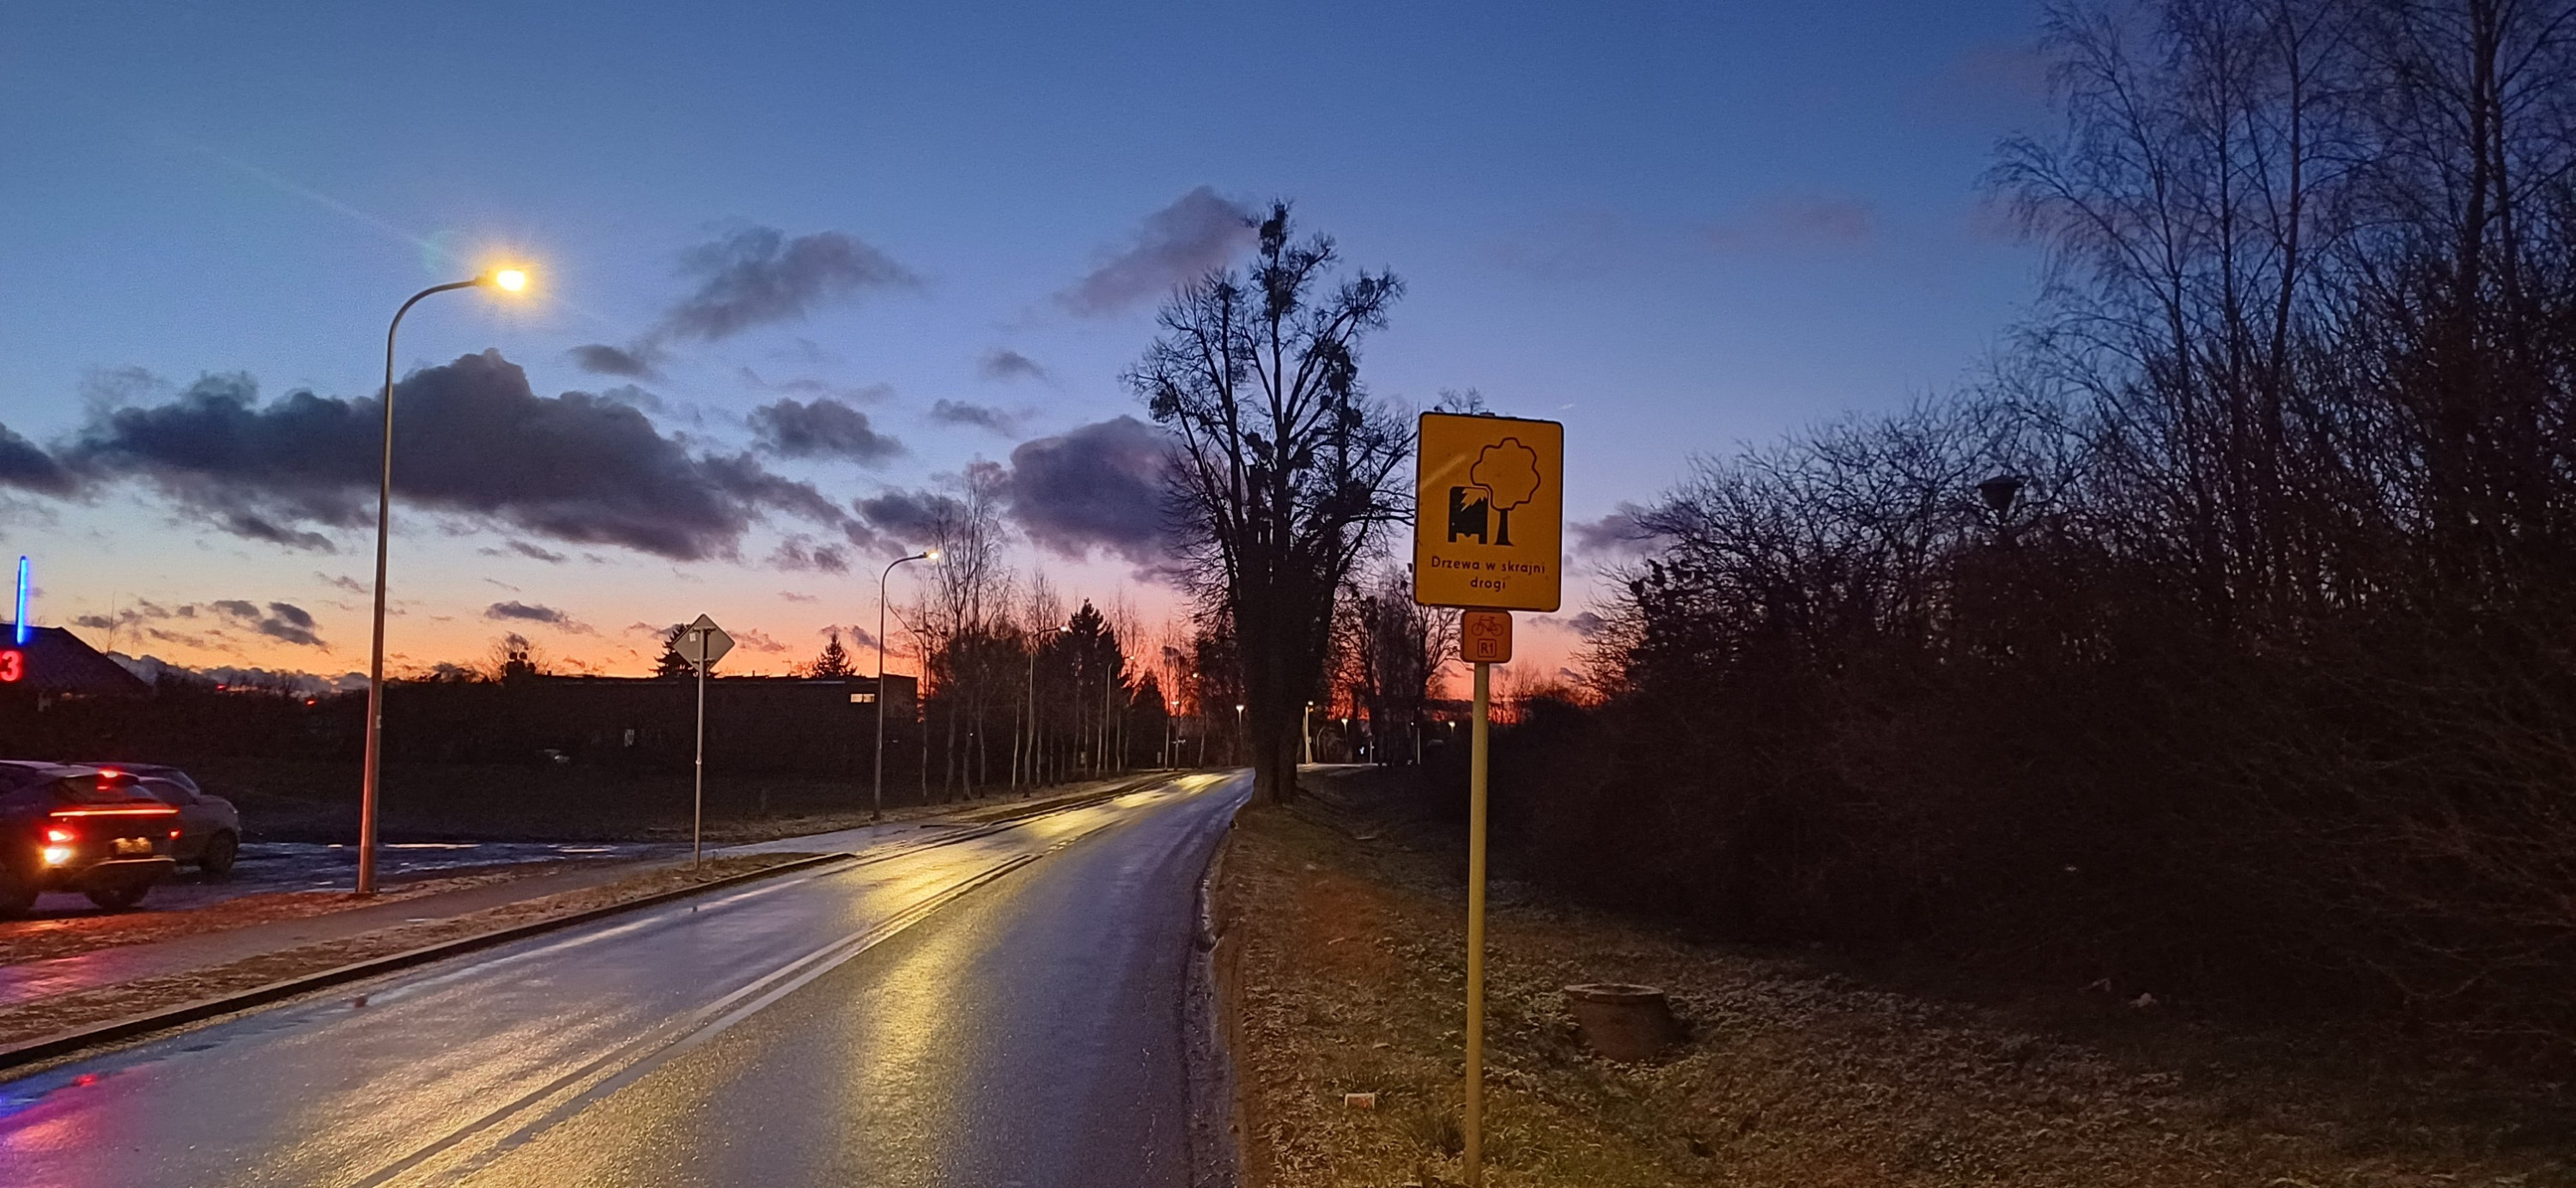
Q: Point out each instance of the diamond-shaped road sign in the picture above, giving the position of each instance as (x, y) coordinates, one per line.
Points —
(703, 643)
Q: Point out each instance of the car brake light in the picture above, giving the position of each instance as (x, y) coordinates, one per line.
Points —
(59, 836)
(174, 835)
(57, 855)
(161, 810)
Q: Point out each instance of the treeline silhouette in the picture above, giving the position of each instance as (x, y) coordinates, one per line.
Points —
(2218, 643)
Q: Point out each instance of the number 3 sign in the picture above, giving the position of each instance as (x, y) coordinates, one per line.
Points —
(13, 666)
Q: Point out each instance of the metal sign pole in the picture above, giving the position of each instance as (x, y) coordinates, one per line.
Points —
(698, 807)
(1475, 1152)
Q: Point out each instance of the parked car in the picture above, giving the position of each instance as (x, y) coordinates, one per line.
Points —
(76, 827)
(209, 826)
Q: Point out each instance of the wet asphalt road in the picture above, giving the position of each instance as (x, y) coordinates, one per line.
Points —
(1001, 1008)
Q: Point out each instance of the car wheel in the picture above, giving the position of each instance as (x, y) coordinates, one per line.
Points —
(16, 894)
(221, 849)
(117, 897)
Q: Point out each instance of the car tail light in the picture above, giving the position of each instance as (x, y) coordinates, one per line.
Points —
(174, 835)
(57, 855)
(59, 836)
(157, 810)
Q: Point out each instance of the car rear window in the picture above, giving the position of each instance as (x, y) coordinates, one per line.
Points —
(99, 789)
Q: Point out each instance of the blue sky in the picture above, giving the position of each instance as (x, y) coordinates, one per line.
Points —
(1676, 227)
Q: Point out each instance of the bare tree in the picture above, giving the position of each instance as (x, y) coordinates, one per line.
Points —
(1281, 472)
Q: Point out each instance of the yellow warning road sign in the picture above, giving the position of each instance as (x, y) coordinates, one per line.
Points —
(1489, 513)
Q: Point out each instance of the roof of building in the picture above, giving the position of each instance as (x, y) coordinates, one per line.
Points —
(57, 661)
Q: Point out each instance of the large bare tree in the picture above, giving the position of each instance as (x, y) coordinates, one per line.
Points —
(1282, 465)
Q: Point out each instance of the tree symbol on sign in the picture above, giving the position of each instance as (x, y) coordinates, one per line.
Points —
(1508, 471)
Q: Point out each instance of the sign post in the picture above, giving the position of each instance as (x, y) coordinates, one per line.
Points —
(1488, 536)
(701, 644)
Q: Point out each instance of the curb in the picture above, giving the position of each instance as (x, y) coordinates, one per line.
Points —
(1013, 813)
(47, 1047)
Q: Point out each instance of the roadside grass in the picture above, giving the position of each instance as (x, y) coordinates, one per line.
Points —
(1351, 980)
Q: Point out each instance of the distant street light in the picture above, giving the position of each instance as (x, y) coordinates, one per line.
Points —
(508, 280)
(1238, 729)
(876, 799)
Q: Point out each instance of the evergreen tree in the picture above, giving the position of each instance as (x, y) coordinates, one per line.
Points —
(671, 663)
(833, 661)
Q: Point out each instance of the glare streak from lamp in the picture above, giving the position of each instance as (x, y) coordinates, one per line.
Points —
(511, 280)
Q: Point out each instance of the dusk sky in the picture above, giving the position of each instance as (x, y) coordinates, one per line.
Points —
(1675, 227)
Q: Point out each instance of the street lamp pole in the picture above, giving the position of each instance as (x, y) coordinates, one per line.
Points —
(1033, 701)
(372, 772)
(876, 799)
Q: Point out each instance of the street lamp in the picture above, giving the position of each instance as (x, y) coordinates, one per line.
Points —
(1033, 706)
(876, 799)
(1239, 737)
(510, 280)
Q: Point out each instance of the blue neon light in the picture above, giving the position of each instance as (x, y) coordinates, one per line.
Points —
(21, 620)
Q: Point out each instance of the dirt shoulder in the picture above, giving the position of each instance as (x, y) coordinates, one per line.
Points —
(1351, 976)
(65, 1012)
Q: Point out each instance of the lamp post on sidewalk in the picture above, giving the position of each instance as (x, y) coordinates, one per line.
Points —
(876, 799)
(1033, 701)
(509, 280)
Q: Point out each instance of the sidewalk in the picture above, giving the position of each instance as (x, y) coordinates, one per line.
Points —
(28, 981)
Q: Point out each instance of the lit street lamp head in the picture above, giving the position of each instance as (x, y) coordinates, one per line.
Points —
(508, 279)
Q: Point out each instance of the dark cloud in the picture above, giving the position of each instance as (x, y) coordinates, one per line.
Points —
(279, 620)
(470, 439)
(758, 276)
(908, 516)
(1098, 485)
(809, 386)
(525, 549)
(1582, 623)
(825, 428)
(1197, 232)
(1800, 221)
(1616, 535)
(25, 465)
(800, 554)
(981, 416)
(528, 612)
(641, 361)
(1003, 363)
